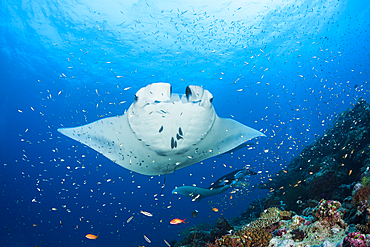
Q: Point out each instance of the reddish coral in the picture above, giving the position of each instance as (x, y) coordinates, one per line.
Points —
(279, 232)
(356, 239)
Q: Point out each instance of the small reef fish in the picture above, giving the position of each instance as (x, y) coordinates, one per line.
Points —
(215, 210)
(194, 213)
(146, 213)
(147, 239)
(166, 243)
(129, 219)
(177, 221)
(91, 236)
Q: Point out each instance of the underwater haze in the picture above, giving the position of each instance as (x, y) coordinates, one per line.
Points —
(286, 68)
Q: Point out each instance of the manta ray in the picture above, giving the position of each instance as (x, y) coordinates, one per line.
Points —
(218, 187)
(163, 131)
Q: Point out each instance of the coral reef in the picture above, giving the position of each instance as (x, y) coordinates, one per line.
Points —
(361, 193)
(356, 239)
(221, 228)
(327, 167)
(202, 234)
(331, 212)
(327, 225)
(248, 237)
(279, 232)
(269, 217)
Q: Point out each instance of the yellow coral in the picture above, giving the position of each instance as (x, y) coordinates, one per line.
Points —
(365, 180)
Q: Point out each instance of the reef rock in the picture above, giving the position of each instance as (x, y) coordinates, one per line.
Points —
(328, 167)
(326, 228)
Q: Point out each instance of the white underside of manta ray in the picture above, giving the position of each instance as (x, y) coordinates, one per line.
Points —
(162, 132)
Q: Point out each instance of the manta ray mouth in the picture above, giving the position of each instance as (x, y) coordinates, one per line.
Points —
(163, 131)
(172, 122)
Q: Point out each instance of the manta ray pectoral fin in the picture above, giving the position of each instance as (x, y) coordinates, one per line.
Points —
(241, 146)
(198, 193)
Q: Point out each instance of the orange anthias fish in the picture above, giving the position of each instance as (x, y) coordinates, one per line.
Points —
(177, 221)
(215, 209)
(91, 236)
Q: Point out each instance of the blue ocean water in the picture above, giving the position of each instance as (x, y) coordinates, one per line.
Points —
(286, 68)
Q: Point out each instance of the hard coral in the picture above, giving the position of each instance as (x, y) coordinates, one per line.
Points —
(356, 239)
(269, 217)
(297, 220)
(329, 211)
(249, 237)
(255, 237)
(229, 240)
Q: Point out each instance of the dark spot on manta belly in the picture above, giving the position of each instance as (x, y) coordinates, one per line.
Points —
(188, 92)
(180, 132)
(161, 129)
(172, 143)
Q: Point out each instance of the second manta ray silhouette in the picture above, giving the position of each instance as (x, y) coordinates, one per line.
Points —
(218, 187)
